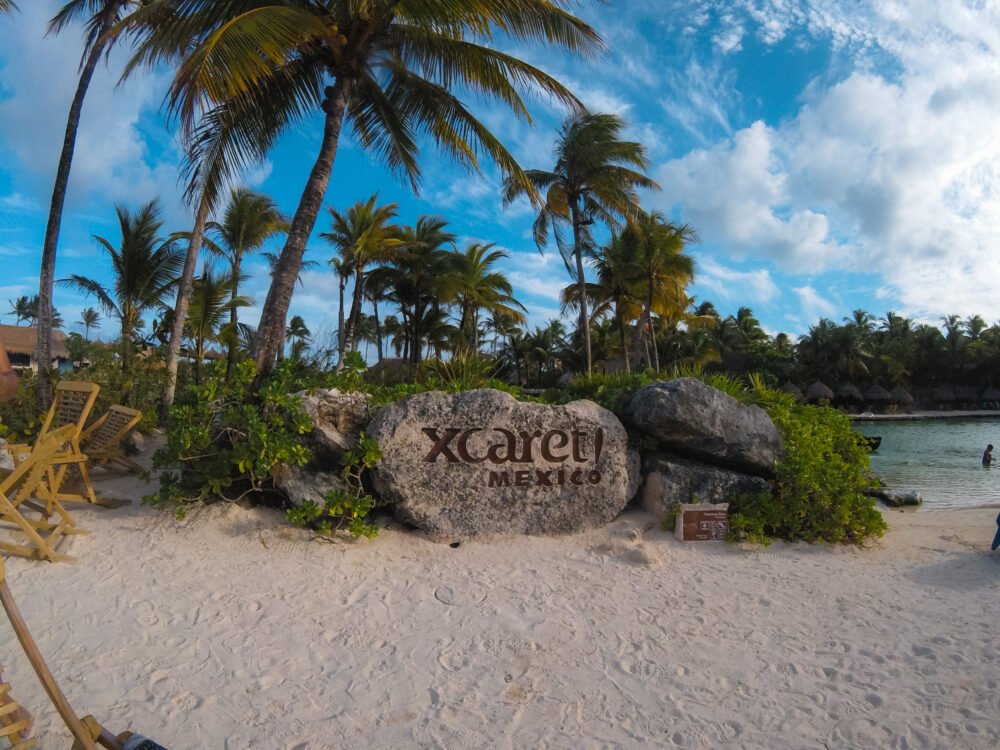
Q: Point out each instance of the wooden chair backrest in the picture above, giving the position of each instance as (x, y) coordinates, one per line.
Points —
(71, 406)
(19, 485)
(109, 430)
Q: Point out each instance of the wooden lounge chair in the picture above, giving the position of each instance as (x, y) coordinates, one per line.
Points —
(72, 405)
(15, 721)
(102, 441)
(87, 732)
(28, 505)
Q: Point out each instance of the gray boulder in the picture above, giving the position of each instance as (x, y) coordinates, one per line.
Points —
(670, 480)
(299, 484)
(481, 463)
(337, 418)
(698, 421)
(896, 499)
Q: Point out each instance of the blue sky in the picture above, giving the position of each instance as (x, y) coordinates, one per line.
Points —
(831, 155)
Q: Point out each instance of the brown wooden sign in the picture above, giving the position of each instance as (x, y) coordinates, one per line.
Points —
(703, 523)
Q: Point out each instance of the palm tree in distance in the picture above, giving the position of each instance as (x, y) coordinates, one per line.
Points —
(363, 235)
(145, 270)
(102, 18)
(388, 67)
(593, 180)
(211, 304)
(21, 308)
(90, 319)
(298, 333)
(249, 220)
(479, 287)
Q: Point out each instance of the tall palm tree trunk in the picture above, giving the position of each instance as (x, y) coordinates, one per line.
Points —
(378, 331)
(181, 307)
(233, 318)
(271, 331)
(621, 338)
(656, 350)
(47, 273)
(340, 320)
(357, 298)
(581, 284)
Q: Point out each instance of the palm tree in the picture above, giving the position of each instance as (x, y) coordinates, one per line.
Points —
(363, 235)
(145, 270)
(479, 287)
(90, 319)
(7, 6)
(250, 219)
(102, 17)
(212, 302)
(592, 181)
(298, 333)
(21, 308)
(387, 67)
(32, 313)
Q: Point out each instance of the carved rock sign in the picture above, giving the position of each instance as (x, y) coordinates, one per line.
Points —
(482, 463)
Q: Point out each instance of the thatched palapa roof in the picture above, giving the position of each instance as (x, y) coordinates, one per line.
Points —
(878, 394)
(24, 340)
(966, 393)
(901, 396)
(849, 392)
(819, 392)
(789, 387)
(943, 393)
(990, 394)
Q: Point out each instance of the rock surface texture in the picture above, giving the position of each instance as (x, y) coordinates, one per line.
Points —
(337, 420)
(300, 484)
(670, 480)
(697, 421)
(481, 463)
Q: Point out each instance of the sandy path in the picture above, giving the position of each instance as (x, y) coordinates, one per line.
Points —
(232, 630)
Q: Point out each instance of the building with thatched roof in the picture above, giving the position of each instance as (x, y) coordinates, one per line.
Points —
(878, 397)
(943, 395)
(990, 398)
(902, 399)
(21, 342)
(818, 392)
(789, 387)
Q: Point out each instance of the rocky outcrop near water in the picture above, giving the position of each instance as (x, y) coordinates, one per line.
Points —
(481, 463)
(696, 421)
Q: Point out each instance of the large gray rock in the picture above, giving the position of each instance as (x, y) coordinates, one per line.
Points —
(300, 484)
(481, 463)
(337, 418)
(670, 480)
(698, 421)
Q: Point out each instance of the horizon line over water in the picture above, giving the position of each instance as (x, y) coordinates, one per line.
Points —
(940, 458)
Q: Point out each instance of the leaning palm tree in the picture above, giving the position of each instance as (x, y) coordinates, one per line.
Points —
(593, 180)
(250, 219)
(362, 235)
(90, 319)
(479, 287)
(391, 69)
(145, 269)
(102, 18)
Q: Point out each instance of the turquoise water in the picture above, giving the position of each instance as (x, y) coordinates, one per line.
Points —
(939, 458)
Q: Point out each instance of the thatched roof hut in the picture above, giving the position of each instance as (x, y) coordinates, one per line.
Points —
(901, 396)
(876, 394)
(819, 392)
(789, 387)
(990, 394)
(23, 340)
(966, 394)
(943, 394)
(848, 392)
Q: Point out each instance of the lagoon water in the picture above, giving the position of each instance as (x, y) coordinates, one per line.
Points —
(939, 458)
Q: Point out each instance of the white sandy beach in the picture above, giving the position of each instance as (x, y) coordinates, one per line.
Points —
(233, 630)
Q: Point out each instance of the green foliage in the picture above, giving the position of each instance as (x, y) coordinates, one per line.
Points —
(225, 439)
(346, 508)
(140, 385)
(463, 372)
(19, 422)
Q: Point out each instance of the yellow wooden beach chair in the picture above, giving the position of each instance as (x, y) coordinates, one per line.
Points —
(87, 733)
(101, 442)
(29, 507)
(72, 405)
(15, 721)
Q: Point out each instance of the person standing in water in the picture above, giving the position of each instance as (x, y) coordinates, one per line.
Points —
(988, 455)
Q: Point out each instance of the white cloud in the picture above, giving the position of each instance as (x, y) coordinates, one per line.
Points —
(753, 287)
(814, 306)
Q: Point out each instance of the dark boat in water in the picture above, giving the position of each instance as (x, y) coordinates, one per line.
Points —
(871, 443)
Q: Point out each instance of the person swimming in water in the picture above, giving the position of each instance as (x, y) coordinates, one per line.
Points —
(988, 455)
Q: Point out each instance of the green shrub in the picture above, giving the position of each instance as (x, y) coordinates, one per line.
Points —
(346, 508)
(225, 439)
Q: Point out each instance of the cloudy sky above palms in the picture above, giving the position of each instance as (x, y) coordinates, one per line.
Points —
(831, 155)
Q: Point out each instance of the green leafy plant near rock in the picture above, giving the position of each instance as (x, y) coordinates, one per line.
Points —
(345, 508)
(225, 439)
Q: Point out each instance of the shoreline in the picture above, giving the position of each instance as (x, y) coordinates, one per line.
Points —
(921, 415)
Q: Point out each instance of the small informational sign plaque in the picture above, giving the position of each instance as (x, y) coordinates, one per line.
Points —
(703, 522)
